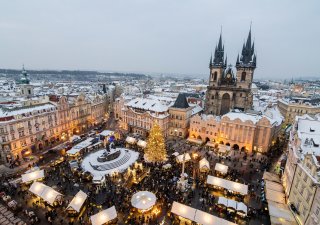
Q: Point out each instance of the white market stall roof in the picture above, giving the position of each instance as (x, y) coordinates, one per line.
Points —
(183, 210)
(197, 141)
(77, 201)
(232, 204)
(197, 216)
(242, 207)
(224, 148)
(223, 201)
(142, 143)
(35, 175)
(208, 219)
(175, 153)
(227, 184)
(167, 166)
(107, 133)
(143, 200)
(45, 192)
(77, 148)
(204, 164)
(131, 140)
(35, 168)
(186, 157)
(74, 137)
(221, 168)
(104, 216)
(211, 144)
(239, 206)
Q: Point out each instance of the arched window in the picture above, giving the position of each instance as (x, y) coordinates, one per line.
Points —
(212, 97)
(215, 76)
(243, 76)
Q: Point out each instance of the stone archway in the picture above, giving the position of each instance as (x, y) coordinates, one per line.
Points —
(225, 104)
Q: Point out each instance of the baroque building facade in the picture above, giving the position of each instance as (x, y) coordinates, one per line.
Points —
(301, 177)
(26, 129)
(290, 108)
(137, 114)
(226, 90)
(238, 130)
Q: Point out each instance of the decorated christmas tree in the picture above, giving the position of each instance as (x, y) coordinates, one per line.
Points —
(155, 150)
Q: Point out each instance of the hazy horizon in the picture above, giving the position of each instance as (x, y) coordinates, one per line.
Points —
(159, 37)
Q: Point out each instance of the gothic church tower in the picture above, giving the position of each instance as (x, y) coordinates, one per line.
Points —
(227, 91)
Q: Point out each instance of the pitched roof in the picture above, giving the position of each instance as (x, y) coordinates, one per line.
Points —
(181, 102)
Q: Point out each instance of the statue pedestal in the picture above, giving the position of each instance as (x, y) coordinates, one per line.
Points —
(182, 184)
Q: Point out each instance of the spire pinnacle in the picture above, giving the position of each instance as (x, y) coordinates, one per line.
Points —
(226, 61)
(247, 54)
(248, 45)
(220, 48)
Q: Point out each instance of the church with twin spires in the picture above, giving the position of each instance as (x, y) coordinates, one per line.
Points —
(227, 91)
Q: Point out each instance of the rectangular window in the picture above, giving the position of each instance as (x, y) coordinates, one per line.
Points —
(299, 171)
(308, 195)
(305, 177)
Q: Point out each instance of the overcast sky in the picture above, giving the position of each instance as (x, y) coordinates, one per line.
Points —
(162, 36)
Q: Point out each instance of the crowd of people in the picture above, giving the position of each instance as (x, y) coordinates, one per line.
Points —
(117, 191)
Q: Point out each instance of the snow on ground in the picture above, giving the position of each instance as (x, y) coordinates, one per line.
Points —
(93, 159)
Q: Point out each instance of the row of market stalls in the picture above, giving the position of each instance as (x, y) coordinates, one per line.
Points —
(204, 164)
(279, 211)
(142, 200)
(233, 205)
(32, 176)
(93, 142)
(46, 193)
(88, 143)
(221, 147)
(52, 197)
(191, 214)
(229, 185)
(139, 142)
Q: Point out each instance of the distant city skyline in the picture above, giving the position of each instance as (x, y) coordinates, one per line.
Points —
(159, 37)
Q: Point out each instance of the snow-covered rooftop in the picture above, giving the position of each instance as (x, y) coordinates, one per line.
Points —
(154, 105)
(5, 112)
(309, 134)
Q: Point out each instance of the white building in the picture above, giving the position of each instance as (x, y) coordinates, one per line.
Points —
(301, 176)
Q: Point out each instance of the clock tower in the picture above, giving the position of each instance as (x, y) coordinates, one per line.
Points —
(227, 91)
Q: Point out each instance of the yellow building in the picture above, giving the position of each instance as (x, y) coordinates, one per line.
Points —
(236, 129)
(290, 108)
(180, 114)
